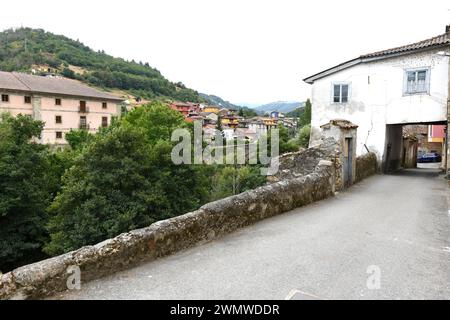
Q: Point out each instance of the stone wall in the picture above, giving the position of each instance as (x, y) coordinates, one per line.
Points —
(366, 165)
(162, 238)
(301, 163)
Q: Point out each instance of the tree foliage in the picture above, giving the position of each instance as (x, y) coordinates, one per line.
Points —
(287, 142)
(247, 112)
(231, 180)
(303, 137)
(305, 118)
(26, 187)
(122, 180)
(23, 48)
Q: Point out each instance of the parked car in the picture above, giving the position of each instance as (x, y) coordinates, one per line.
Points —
(429, 157)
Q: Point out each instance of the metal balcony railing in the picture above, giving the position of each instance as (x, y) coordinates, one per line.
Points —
(84, 109)
(83, 126)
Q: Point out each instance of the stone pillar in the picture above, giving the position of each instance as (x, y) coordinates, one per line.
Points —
(345, 133)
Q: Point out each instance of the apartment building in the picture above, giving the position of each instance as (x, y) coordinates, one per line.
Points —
(62, 104)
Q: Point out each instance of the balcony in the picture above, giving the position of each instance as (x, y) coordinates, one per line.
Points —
(83, 109)
(83, 126)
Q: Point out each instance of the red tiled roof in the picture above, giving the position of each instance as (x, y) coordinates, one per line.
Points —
(432, 42)
(442, 40)
(50, 85)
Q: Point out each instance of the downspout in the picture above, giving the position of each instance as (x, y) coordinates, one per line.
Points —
(447, 136)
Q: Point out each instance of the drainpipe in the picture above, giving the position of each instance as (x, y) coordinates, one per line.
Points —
(447, 136)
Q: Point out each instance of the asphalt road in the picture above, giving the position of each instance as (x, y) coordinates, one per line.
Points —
(397, 227)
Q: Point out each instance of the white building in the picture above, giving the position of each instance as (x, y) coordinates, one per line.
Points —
(382, 91)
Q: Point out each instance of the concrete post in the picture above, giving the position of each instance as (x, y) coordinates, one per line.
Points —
(345, 133)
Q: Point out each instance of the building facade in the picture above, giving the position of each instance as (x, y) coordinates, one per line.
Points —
(62, 104)
(383, 91)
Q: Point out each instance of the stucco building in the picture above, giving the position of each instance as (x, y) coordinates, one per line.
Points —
(383, 91)
(62, 104)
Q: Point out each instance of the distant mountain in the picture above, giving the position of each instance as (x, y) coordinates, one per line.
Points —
(218, 101)
(281, 106)
(35, 50)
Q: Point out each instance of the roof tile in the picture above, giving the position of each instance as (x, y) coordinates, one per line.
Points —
(52, 85)
(435, 41)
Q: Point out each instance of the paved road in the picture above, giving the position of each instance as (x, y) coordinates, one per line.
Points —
(398, 223)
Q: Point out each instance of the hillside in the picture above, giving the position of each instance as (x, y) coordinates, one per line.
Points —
(217, 101)
(28, 49)
(281, 106)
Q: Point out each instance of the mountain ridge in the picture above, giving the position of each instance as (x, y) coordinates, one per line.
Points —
(27, 50)
(218, 101)
(280, 106)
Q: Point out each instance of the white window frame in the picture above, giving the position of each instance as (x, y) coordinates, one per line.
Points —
(341, 83)
(416, 70)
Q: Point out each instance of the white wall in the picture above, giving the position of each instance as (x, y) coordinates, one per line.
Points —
(376, 97)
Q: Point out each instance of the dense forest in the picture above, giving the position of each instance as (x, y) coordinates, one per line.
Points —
(122, 178)
(24, 48)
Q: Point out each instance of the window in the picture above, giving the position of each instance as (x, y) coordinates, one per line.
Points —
(5, 98)
(104, 121)
(104, 105)
(58, 135)
(57, 101)
(27, 99)
(83, 122)
(58, 119)
(417, 81)
(83, 107)
(340, 92)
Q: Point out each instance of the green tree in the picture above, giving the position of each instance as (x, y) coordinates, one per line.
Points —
(124, 179)
(304, 136)
(99, 69)
(26, 187)
(305, 118)
(78, 138)
(287, 143)
(231, 180)
(104, 193)
(156, 119)
(219, 125)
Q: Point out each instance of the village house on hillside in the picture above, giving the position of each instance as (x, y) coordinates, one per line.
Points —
(62, 104)
(383, 91)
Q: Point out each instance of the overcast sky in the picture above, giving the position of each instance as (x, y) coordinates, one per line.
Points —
(241, 50)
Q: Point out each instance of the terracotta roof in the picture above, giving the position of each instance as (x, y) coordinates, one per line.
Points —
(442, 40)
(341, 123)
(432, 42)
(50, 85)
